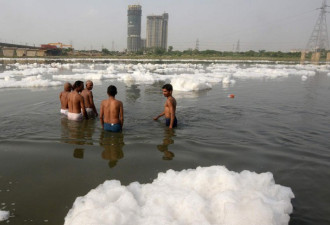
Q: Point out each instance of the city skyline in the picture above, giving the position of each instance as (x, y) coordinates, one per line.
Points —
(157, 31)
(259, 25)
(134, 13)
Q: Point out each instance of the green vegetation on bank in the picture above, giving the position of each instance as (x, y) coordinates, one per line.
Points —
(171, 54)
(159, 53)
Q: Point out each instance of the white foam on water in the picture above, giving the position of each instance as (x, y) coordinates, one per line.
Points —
(187, 82)
(6, 74)
(35, 71)
(4, 215)
(84, 76)
(139, 77)
(228, 80)
(186, 75)
(209, 195)
(31, 81)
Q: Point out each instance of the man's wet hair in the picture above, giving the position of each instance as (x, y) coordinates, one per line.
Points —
(112, 90)
(76, 84)
(89, 81)
(67, 86)
(168, 87)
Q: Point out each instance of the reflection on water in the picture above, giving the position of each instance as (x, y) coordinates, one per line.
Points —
(81, 133)
(78, 153)
(77, 133)
(132, 93)
(113, 144)
(168, 134)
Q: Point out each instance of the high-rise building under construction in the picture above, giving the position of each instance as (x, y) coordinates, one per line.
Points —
(134, 13)
(157, 29)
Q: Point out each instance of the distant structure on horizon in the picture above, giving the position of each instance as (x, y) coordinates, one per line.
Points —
(319, 38)
(157, 31)
(238, 46)
(134, 14)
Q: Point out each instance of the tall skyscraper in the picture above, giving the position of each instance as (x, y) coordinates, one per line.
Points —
(134, 13)
(157, 29)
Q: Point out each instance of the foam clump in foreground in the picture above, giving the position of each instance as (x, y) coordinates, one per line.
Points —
(209, 195)
(4, 215)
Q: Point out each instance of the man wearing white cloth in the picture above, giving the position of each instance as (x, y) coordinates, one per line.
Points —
(87, 94)
(64, 98)
(77, 110)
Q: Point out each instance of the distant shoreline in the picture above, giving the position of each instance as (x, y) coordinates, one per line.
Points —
(163, 58)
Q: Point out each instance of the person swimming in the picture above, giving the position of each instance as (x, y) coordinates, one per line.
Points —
(112, 112)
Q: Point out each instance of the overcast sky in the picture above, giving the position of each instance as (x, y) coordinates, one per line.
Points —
(279, 25)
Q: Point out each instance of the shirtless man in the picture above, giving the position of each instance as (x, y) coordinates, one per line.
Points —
(88, 100)
(169, 108)
(76, 103)
(112, 112)
(64, 98)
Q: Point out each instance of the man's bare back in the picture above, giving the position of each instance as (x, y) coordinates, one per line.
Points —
(112, 112)
(64, 96)
(76, 103)
(64, 99)
(87, 94)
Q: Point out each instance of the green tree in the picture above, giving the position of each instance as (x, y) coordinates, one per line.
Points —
(105, 51)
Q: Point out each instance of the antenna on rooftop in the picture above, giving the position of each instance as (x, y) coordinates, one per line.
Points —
(319, 38)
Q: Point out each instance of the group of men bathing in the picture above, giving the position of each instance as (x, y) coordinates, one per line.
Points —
(77, 103)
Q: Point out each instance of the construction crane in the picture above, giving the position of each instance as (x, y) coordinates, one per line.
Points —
(60, 45)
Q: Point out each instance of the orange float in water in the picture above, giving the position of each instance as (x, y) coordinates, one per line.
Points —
(231, 96)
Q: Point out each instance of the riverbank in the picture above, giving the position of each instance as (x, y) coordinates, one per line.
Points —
(158, 58)
(139, 57)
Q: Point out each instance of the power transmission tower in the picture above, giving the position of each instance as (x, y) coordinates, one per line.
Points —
(238, 48)
(319, 38)
(197, 45)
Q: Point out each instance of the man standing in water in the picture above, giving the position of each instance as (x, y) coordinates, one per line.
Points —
(87, 94)
(64, 98)
(76, 103)
(169, 108)
(112, 112)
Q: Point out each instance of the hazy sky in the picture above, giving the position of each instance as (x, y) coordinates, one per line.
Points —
(218, 24)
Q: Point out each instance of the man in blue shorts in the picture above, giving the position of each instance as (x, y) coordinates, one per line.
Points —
(169, 107)
(112, 112)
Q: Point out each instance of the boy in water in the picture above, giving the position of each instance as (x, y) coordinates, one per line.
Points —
(64, 98)
(112, 112)
(76, 103)
(169, 107)
(87, 94)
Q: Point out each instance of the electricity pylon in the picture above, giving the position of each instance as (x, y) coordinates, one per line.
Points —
(319, 38)
(238, 48)
(197, 45)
